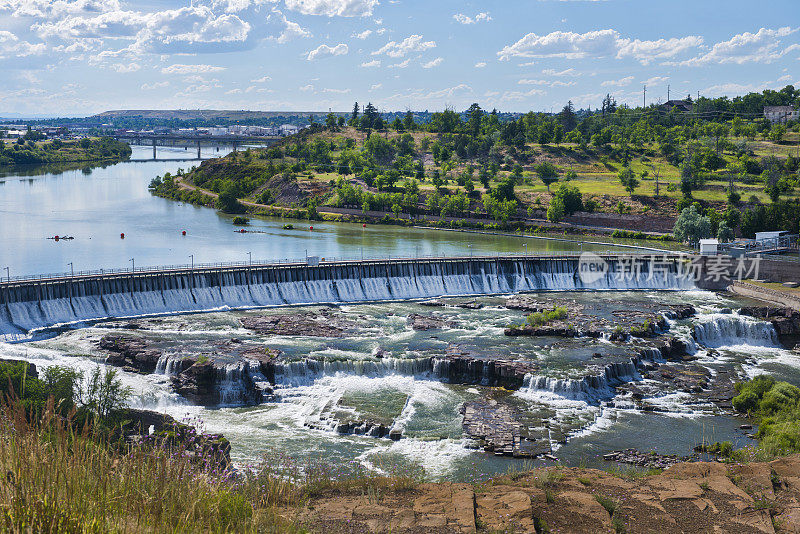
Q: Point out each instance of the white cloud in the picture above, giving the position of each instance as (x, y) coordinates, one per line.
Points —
(568, 45)
(480, 64)
(598, 43)
(618, 83)
(433, 63)
(179, 68)
(548, 83)
(155, 85)
(516, 96)
(450, 92)
(327, 51)
(124, 68)
(464, 19)
(307, 88)
(263, 79)
(765, 46)
(648, 51)
(655, 80)
(412, 43)
(371, 64)
(362, 35)
(331, 8)
(336, 91)
(403, 64)
(567, 72)
(376, 86)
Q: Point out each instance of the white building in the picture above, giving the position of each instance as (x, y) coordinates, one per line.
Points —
(781, 114)
(709, 247)
(289, 129)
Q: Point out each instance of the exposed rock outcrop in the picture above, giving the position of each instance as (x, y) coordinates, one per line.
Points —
(322, 324)
(686, 497)
(428, 322)
(496, 426)
(785, 320)
(130, 353)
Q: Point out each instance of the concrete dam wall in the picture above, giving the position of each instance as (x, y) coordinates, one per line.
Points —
(32, 305)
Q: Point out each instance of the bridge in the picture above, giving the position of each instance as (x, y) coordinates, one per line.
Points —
(32, 304)
(176, 140)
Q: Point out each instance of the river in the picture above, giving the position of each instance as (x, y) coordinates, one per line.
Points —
(95, 207)
(579, 422)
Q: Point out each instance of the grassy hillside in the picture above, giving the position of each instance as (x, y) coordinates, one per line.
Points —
(748, 179)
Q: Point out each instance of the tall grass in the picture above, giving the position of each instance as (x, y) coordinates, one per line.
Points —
(59, 480)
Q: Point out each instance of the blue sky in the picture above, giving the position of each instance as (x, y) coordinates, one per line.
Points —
(77, 57)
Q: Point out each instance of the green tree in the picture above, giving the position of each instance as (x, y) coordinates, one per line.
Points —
(691, 227)
(474, 118)
(228, 200)
(548, 173)
(628, 180)
(725, 233)
(555, 211)
(571, 198)
(408, 122)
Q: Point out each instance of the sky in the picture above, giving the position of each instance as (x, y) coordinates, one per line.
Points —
(79, 57)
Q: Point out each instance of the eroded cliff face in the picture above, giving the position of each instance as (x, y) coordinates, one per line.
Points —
(687, 497)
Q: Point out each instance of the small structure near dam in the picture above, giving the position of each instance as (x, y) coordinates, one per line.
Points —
(29, 305)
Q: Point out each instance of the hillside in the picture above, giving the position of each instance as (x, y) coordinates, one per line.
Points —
(503, 176)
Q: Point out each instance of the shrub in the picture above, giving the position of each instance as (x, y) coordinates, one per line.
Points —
(547, 316)
(745, 402)
(241, 221)
(782, 396)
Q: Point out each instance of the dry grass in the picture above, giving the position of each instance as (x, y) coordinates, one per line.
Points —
(59, 480)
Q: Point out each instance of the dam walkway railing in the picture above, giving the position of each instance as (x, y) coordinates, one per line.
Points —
(315, 261)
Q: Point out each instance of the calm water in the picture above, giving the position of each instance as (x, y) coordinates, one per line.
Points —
(96, 207)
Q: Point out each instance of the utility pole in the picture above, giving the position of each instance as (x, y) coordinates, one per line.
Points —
(667, 92)
(644, 97)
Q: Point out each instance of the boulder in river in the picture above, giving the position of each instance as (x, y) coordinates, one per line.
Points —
(129, 352)
(323, 324)
(428, 322)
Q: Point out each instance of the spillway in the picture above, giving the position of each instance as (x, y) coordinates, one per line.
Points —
(33, 305)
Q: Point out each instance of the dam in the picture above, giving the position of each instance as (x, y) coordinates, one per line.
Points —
(31, 305)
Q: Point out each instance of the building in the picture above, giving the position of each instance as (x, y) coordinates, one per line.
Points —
(709, 247)
(679, 105)
(289, 129)
(781, 114)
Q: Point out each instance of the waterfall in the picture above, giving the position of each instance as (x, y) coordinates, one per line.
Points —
(592, 388)
(28, 306)
(719, 330)
(306, 371)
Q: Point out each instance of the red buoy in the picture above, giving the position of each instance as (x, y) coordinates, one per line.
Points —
(364, 225)
(310, 227)
(122, 235)
(56, 238)
(183, 233)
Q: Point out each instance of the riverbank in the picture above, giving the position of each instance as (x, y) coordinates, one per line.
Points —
(773, 293)
(94, 150)
(177, 188)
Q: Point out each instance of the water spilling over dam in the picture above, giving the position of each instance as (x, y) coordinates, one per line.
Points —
(31, 305)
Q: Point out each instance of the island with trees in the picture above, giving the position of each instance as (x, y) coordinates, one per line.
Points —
(32, 149)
